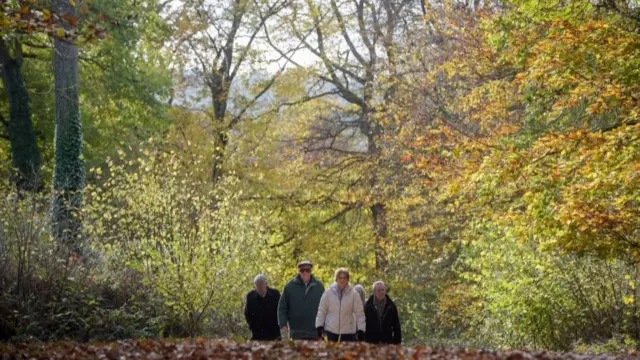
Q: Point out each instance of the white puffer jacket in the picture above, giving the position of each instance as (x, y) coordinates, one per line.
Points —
(340, 315)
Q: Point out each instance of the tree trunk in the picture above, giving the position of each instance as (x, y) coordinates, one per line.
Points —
(379, 215)
(378, 210)
(25, 155)
(220, 95)
(219, 155)
(68, 175)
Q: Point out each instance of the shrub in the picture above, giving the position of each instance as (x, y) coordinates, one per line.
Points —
(191, 242)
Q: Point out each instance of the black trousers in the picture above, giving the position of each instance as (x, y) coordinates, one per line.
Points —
(343, 337)
(262, 336)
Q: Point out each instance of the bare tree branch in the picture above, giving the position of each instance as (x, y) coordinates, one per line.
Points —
(346, 36)
(306, 99)
(236, 118)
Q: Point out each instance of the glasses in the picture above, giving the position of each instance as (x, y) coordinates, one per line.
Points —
(303, 270)
(343, 278)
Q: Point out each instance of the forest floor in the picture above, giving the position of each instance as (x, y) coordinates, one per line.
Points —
(222, 349)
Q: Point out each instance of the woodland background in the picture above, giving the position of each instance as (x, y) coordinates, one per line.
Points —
(483, 158)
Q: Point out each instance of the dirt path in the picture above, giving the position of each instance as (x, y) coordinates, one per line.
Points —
(222, 349)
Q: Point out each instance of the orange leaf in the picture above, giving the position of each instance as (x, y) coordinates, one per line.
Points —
(73, 20)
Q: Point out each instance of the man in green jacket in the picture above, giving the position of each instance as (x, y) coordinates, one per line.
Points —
(299, 303)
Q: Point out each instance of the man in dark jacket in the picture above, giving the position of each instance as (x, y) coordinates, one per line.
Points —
(261, 310)
(299, 304)
(383, 323)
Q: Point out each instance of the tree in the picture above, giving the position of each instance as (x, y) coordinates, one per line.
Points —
(69, 172)
(17, 22)
(221, 37)
(125, 76)
(357, 46)
(530, 137)
(25, 154)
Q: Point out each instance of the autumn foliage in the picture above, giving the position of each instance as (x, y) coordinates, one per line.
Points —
(482, 158)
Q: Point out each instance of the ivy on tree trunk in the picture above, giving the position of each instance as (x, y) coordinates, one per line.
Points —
(25, 155)
(68, 175)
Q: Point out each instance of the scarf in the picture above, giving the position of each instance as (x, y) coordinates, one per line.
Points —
(379, 304)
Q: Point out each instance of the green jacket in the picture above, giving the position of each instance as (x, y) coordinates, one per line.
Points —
(298, 306)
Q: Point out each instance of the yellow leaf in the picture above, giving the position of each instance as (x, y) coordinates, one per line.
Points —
(60, 32)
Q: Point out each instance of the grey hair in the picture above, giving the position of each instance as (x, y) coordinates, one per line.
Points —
(360, 290)
(379, 282)
(260, 278)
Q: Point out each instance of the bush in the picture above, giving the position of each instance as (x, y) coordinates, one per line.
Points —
(162, 254)
(192, 243)
(617, 344)
(527, 297)
(48, 293)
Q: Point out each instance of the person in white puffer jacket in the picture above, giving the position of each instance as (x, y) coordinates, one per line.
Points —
(341, 312)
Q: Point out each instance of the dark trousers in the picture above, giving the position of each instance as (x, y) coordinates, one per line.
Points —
(343, 337)
(266, 335)
(265, 338)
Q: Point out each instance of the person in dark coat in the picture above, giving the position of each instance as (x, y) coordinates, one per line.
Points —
(299, 304)
(383, 323)
(261, 310)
